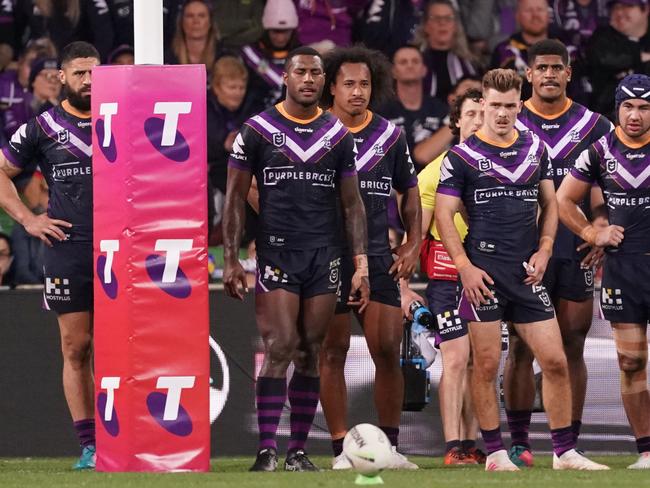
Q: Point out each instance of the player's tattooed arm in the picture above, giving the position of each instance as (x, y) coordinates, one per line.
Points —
(40, 226)
(234, 219)
(474, 279)
(409, 252)
(547, 223)
(357, 232)
(571, 192)
(253, 197)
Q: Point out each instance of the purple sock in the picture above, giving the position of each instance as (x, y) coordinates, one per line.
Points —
(575, 428)
(643, 444)
(492, 439)
(303, 398)
(271, 394)
(337, 446)
(85, 432)
(562, 440)
(519, 423)
(392, 433)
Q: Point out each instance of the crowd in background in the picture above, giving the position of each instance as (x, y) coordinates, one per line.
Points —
(439, 49)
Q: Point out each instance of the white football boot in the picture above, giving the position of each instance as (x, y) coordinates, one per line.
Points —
(399, 461)
(642, 463)
(500, 461)
(572, 459)
(341, 462)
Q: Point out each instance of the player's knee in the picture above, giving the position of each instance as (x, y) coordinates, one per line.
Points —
(386, 354)
(574, 346)
(334, 354)
(555, 366)
(76, 350)
(485, 369)
(454, 364)
(630, 364)
(280, 349)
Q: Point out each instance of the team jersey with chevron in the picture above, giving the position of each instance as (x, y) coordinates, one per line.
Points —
(566, 135)
(60, 144)
(298, 165)
(383, 162)
(623, 172)
(499, 187)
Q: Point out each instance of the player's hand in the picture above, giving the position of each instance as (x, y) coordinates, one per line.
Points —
(407, 259)
(233, 276)
(474, 284)
(45, 228)
(359, 290)
(537, 267)
(594, 258)
(612, 235)
(408, 296)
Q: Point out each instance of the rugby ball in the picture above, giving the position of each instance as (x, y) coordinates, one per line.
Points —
(367, 448)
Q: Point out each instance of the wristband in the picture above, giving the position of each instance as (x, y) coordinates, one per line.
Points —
(360, 261)
(588, 234)
(548, 246)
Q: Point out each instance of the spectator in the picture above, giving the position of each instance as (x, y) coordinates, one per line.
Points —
(15, 87)
(618, 49)
(265, 58)
(327, 22)
(578, 19)
(390, 24)
(240, 22)
(122, 55)
(446, 53)
(44, 90)
(533, 20)
(65, 21)
(477, 19)
(122, 14)
(196, 40)
(226, 111)
(6, 258)
(423, 117)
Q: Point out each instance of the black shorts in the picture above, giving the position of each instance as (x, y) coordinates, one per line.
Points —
(513, 300)
(68, 271)
(306, 273)
(564, 278)
(442, 296)
(383, 287)
(625, 291)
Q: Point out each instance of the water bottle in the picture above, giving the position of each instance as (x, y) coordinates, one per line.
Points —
(421, 315)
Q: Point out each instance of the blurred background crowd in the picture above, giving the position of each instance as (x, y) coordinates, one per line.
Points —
(439, 48)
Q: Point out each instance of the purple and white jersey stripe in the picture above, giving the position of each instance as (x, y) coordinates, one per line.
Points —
(60, 143)
(298, 166)
(499, 187)
(383, 163)
(622, 169)
(566, 135)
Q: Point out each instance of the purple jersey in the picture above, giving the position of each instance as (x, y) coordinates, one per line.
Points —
(499, 187)
(61, 145)
(383, 162)
(566, 135)
(298, 166)
(623, 172)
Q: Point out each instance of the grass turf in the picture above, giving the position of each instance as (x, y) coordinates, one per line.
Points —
(56, 472)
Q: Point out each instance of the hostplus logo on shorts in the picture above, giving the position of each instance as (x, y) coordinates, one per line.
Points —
(275, 274)
(611, 299)
(449, 322)
(57, 289)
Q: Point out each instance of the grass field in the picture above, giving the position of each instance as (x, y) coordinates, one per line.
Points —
(50, 472)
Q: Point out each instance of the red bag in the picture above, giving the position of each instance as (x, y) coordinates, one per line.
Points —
(436, 262)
